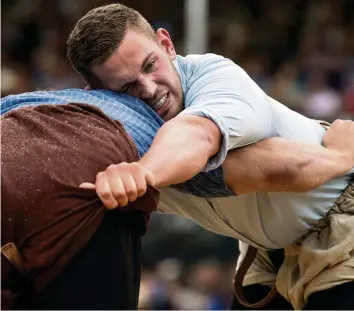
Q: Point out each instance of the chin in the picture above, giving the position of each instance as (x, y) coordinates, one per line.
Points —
(168, 116)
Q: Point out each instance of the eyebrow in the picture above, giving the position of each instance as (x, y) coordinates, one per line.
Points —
(146, 59)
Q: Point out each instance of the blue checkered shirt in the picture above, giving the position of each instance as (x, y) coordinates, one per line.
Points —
(139, 120)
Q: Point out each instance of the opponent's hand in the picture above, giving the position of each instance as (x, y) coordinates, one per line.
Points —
(121, 183)
(340, 136)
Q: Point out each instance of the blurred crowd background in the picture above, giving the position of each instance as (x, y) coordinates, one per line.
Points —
(301, 52)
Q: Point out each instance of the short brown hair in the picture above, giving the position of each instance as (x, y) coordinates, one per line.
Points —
(100, 32)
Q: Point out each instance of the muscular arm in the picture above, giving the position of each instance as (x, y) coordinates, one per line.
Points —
(277, 164)
(183, 146)
(181, 149)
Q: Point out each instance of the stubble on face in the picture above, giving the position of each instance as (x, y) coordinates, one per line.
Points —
(178, 106)
(126, 65)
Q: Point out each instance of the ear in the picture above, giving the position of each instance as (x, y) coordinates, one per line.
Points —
(163, 38)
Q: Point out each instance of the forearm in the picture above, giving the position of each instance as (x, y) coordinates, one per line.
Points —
(277, 164)
(181, 149)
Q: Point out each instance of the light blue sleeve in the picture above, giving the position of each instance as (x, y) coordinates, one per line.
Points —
(218, 89)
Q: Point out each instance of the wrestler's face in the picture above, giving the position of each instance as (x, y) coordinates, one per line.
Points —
(142, 67)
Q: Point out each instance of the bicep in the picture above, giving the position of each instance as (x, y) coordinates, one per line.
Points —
(194, 129)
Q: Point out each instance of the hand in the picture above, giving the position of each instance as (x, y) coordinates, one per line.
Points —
(340, 136)
(87, 88)
(121, 183)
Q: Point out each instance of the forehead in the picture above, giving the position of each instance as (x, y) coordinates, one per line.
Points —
(136, 43)
(126, 61)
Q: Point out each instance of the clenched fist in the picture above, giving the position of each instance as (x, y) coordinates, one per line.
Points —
(340, 136)
(121, 183)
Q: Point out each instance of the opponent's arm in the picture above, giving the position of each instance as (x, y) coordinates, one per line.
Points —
(276, 164)
(183, 146)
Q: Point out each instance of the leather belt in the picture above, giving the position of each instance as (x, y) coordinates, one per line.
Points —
(238, 281)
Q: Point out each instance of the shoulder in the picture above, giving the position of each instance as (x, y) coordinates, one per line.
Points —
(200, 62)
(209, 67)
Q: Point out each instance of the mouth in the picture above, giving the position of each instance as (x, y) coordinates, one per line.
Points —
(161, 103)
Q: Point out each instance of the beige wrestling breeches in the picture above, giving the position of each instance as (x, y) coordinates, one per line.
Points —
(322, 259)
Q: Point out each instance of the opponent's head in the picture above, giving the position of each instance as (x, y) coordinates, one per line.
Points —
(114, 47)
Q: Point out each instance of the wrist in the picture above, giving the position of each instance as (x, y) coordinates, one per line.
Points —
(145, 164)
(345, 158)
(151, 178)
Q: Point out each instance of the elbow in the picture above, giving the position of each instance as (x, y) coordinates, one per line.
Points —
(212, 143)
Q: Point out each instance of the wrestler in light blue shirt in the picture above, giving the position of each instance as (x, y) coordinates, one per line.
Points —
(216, 88)
(254, 218)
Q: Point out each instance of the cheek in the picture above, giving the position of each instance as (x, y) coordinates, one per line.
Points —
(165, 76)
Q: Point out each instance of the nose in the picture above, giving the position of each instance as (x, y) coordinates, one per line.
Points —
(146, 88)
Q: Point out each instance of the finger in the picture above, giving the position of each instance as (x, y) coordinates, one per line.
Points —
(117, 189)
(141, 184)
(149, 178)
(87, 88)
(130, 188)
(103, 190)
(87, 185)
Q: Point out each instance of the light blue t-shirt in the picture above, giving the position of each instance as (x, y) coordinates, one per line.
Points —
(216, 88)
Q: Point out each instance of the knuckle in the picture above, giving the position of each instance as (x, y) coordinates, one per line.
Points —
(136, 167)
(104, 195)
(131, 192)
(111, 167)
(122, 199)
(136, 164)
(142, 189)
(337, 123)
(141, 193)
(100, 175)
(119, 195)
(111, 204)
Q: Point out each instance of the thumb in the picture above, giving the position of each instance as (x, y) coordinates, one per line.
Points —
(149, 178)
(87, 185)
